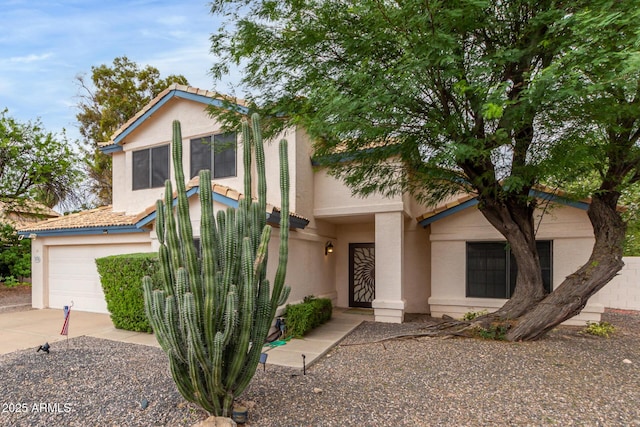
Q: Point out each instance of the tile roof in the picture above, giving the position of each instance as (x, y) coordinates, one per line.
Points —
(105, 217)
(221, 190)
(160, 96)
(24, 212)
(539, 191)
(99, 217)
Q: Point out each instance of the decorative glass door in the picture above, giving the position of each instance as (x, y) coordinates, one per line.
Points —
(362, 274)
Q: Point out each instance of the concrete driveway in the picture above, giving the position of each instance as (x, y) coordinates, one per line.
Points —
(32, 328)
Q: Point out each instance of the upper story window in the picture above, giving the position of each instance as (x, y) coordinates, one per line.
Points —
(150, 167)
(219, 157)
(492, 269)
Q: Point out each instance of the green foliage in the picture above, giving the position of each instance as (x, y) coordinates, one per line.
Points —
(15, 256)
(10, 281)
(213, 314)
(445, 87)
(471, 315)
(494, 332)
(121, 278)
(307, 315)
(36, 164)
(114, 95)
(599, 329)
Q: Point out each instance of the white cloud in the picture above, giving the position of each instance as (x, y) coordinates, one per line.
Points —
(44, 45)
(30, 58)
(171, 21)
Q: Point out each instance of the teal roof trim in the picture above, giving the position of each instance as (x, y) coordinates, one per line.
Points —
(559, 199)
(448, 212)
(543, 195)
(120, 229)
(175, 93)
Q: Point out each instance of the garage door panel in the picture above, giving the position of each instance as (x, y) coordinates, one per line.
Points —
(73, 275)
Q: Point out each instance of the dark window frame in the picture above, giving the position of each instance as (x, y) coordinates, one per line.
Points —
(491, 269)
(150, 167)
(223, 163)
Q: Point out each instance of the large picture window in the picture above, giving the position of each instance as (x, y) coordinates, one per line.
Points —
(492, 269)
(150, 167)
(219, 157)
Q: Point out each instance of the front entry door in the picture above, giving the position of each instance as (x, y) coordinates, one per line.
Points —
(362, 274)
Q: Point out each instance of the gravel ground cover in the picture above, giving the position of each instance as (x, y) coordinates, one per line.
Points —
(14, 298)
(566, 379)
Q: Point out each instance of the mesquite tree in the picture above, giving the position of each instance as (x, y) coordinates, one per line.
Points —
(436, 98)
(213, 314)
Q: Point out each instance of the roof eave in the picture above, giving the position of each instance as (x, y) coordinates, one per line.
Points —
(113, 229)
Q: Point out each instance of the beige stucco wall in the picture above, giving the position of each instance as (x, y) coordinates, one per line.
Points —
(272, 169)
(417, 267)
(195, 122)
(568, 227)
(623, 292)
(333, 199)
(309, 271)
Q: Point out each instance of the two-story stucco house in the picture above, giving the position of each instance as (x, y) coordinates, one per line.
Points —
(390, 254)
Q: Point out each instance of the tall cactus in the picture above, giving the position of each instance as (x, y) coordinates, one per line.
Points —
(213, 315)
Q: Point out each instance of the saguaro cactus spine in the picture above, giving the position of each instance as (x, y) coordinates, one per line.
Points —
(212, 315)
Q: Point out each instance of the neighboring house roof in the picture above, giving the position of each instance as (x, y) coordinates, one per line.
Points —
(205, 97)
(104, 221)
(95, 221)
(23, 212)
(463, 202)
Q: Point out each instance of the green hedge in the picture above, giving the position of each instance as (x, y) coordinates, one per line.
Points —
(303, 317)
(121, 278)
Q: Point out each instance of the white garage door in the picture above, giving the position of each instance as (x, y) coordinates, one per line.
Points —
(73, 275)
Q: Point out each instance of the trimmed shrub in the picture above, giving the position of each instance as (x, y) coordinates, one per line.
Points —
(121, 278)
(303, 317)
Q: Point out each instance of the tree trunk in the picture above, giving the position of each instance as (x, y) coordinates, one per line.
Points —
(572, 295)
(515, 223)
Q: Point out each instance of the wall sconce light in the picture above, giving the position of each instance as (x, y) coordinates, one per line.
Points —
(105, 231)
(328, 248)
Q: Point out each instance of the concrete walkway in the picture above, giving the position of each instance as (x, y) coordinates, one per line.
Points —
(31, 328)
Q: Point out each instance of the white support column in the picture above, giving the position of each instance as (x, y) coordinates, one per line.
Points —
(38, 274)
(389, 303)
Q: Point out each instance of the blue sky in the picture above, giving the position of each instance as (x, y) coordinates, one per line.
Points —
(45, 44)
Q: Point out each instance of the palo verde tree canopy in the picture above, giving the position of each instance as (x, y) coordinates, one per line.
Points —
(434, 98)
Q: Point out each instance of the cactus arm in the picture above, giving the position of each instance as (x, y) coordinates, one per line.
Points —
(173, 243)
(184, 221)
(284, 296)
(262, 180)
(281, 272)
(246, 159)
(246, 315)
(172, 337)
(179, 372)
(208, 255)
